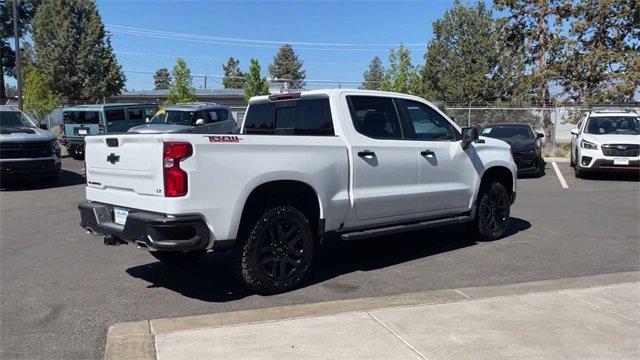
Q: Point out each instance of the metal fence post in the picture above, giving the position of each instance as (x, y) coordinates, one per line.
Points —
(555, 125)
(469, 117)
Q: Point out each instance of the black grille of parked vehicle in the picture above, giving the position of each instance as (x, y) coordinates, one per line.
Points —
(25, 150)
(621, 150)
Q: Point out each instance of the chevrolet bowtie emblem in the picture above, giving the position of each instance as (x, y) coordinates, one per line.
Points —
(113, 158)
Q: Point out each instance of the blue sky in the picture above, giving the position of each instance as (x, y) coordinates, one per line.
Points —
(144, 34)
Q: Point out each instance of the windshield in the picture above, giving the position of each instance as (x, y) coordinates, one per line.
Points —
(518, 132)
(172, 117)
(603, 125)
(15, 119)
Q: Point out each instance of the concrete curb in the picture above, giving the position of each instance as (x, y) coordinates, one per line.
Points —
(556, 159)
(136, 339)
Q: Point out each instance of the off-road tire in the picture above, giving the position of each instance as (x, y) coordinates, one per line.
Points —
(179, 258)
(483, 227)
(263, 237)
(579, 173)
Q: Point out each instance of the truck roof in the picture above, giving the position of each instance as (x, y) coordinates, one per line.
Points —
(333, 92)
(601, 112)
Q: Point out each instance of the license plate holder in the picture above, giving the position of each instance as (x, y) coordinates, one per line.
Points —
(620, 161)
(120, 215)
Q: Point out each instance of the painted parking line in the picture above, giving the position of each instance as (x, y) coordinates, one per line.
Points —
(559, 174)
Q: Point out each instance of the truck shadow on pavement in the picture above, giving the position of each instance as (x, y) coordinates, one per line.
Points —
(67, 178)
(213, 279)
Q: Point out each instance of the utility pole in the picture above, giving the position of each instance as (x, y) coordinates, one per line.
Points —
(205, 82)
(16, 36)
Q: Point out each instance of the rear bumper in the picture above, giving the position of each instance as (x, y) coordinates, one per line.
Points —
(27, 168)
(156, 232)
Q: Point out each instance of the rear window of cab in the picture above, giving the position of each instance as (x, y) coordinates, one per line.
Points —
(291, 117)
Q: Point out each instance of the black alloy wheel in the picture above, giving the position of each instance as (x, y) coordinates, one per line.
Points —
(274, 252)
(494, 207)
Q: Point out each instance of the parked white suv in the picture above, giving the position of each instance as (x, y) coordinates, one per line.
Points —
(606, 140)
(305, 168)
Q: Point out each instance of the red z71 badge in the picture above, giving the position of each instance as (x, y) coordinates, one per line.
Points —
(224, 139)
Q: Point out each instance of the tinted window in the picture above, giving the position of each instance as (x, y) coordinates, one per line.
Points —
(136, 114)
(375, 117)
(295, 117)
(114, 115)
(14, 119)
(219, 115)
(514, 132)
(426, 124)
(82, 117)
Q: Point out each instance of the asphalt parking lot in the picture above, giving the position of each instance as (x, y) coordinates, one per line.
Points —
(61, 288)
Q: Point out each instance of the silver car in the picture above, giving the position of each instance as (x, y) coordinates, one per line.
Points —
(26, 151)
(190, 117)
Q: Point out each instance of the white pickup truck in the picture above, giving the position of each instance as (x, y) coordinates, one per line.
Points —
(304, 168)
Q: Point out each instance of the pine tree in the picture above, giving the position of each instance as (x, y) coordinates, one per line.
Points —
(287, 66)
(233, 77)
(181, 89)
(38, 99)
(374, 76)
(401, 76)
(26, 10)
(533, 29)
(73, 52)
(602, 61)
(162, 79)
(255, 84)
(466, 60)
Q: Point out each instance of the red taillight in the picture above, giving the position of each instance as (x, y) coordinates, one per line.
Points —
(175, 179)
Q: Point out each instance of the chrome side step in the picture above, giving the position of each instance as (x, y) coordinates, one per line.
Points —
(394, 229)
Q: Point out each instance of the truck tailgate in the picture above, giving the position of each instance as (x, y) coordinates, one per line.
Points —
(121, 167)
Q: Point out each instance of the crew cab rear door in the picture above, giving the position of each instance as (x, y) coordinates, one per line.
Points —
(385, 166)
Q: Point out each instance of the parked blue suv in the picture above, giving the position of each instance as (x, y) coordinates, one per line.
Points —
(81, 120)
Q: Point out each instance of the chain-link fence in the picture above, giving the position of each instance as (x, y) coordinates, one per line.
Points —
(554, 122)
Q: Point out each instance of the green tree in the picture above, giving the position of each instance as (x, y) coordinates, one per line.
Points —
(373, 76)
(38, 99)
(162, 79)
(466, 60)
(233, 77)
(73, 52)
(602, 58)
(401, 76)
(255, 84)
(287, 66)
(26, 9)
(533, 30)
(181, 89)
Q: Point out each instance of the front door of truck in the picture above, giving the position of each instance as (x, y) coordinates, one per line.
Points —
(385, 168)
(446, 175)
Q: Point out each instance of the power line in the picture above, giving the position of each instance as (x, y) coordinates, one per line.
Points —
(199, 40)
(245, 40)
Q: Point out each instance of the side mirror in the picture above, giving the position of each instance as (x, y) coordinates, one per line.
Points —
(539, 135)
(575, 132)
(200, 122)
(44, 126)
(469, 135)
